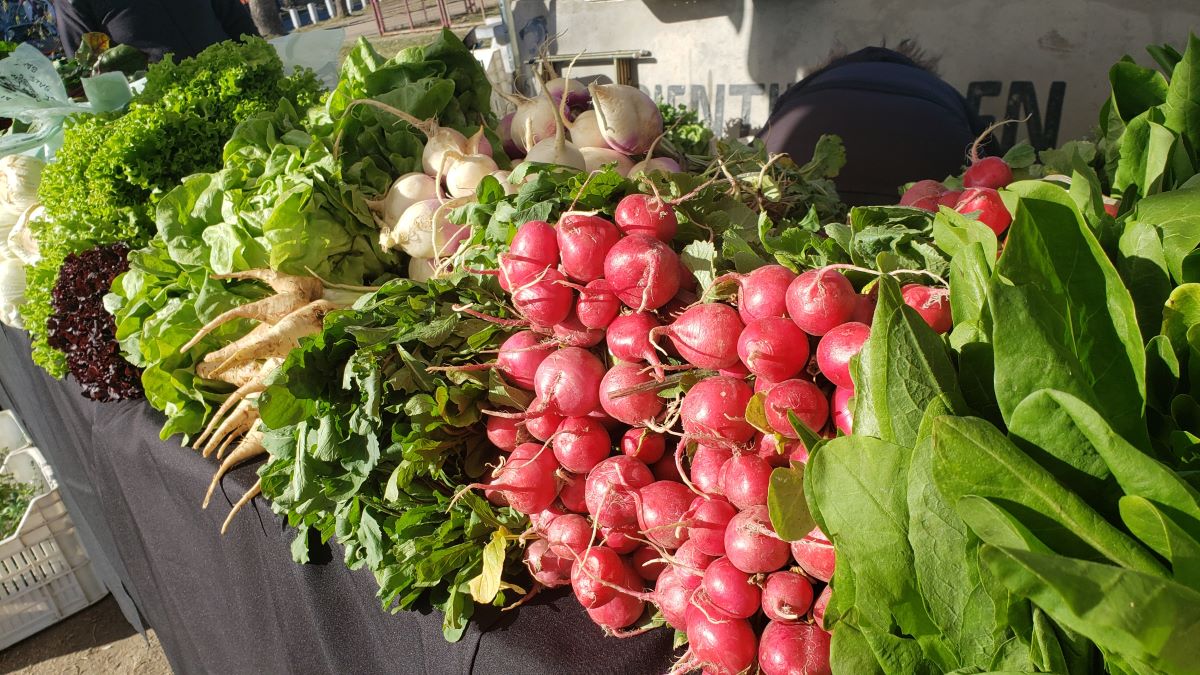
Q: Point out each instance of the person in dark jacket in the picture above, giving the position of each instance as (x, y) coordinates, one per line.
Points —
(898, 120)
(180, 27)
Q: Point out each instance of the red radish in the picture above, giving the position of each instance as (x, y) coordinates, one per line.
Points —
(725, 646)
(843, 416)
(547, 569)
(493, 495)
(624, 609)
(661, 512)
(987, 172)
(949, 198)
(923, 195)
(819, 606)
(610, 488)
(505, 433)
(580, 444)
(643, 272)
(572, 493)
(709, 519)
(583, 242)
(738, 371)
(544, 300)
(621, 540)
(527, 478)
(643, 445)
(672, 598)
(745, 480)
(716, 407)
(794, 649)
(666, 469)
(572, 333)
(786, 597)
(648, 563)
(762, 385)
(801, 397)
(597, 305)
(731, 590)
(990, 207)
(815, 555)
(520, 356)
(864, 311)
(773, 348)
(638, 408)
(690, 565)
(837, 347)
(933, 304)
(535, 241)
(706, 335)
(763, 292)
(598, 415)
(569, 535)
(595, 574)
(820, 299)
(542, 425)
(628, 337)
(751, 543)
(516, 271)
(706, 467)
(768, 447)
(540, 521)
(568, 382)
(646, 214)
(1111, 206)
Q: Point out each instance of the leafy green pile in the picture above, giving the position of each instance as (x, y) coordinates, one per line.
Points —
(14, 500)
(283, 201)
(371, 447)
(1046, 517)
(684, 132)
(114, 168)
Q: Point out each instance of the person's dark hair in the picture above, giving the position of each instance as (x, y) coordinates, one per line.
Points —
(907, 48)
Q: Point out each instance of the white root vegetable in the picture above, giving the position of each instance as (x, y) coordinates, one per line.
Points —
(656, 164)
(238, 375)
(237, 423)
(253, 385)
(404, 192)
(253, 492)
(308, 287)
(20, 176)
(269, 309)
(596, 158)
(502, 176)
(557, 150)
(425, 231)
(209, 367)
(533, 122)
(464, 175)
(628, 119)
(585, 131)
(421, 269)
(21, 242)
(250, 447)
(282, 337)
(478, 144)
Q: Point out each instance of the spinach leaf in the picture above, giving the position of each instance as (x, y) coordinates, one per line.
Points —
(1181, 111)
(1053, 285)
(903, 366)
(1143, 266)
(971, 457)
(1147, 619)
(1176, 215)
(1148, 523)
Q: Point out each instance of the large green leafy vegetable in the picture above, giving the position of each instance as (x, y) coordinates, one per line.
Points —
(114, 168)
(282, 201)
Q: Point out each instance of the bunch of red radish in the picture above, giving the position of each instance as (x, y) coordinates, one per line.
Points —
(981, 182)
(622, 511)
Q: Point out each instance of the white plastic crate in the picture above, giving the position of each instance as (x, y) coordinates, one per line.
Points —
(45, 574)
(12, 434)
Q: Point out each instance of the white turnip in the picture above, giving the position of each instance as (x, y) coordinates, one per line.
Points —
(595, 159)
(404, 192)
(628, 119)
(585, 134)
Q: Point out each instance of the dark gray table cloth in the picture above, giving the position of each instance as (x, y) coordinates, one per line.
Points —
(238, 604)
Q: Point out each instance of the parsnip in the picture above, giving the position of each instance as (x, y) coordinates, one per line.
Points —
(215, 358)
(269, 309)
(237, 423)
(281, 338)
(282, 284)
(253, 492)
(250, 447)
(238, 375)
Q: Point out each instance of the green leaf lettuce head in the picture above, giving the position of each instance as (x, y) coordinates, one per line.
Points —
(114, 168)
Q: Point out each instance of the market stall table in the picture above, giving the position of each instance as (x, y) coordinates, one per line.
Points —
(238, 603)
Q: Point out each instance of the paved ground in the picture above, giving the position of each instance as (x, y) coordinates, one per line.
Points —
(96, 640)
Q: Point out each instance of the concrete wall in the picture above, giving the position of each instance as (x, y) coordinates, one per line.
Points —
(1048, 59)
